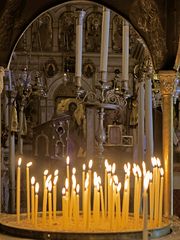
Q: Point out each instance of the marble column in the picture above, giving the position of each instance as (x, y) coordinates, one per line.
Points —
(1, 88)
(141, 122)
(149, 119)
(104, 44)
(79, 42)
(125, 55)
(12, 161)
(167, 84)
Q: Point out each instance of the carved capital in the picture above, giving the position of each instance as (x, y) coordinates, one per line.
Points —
(167, 82)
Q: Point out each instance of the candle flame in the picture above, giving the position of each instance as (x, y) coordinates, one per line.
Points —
(32, 180)
(113, 168)
(63, 191)
(77, 189)
(109, 168)
(36, 187)
(146, 181)
(66, 183)
(119, 187)
(55, 180)
(150, 176)
(129, 166)
(84, 167)
(46, 172)
(153, 160)
(50, 186)
(161, 172)
(74, 170)
(29, 164)
(115, 178)
(19, 162)
(106, 163)
(73, 181)
(56, 172)
(158, 162)
(126, 185)
(144, 168)
(47, 180)
(99, 179)
(67, 160)
(86, 183)
(90, 164)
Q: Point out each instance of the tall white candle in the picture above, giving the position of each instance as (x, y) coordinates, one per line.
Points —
(36, 203)
(18, 190)
(28, 189)
(104, 42)
(79, 41)
(32, 198)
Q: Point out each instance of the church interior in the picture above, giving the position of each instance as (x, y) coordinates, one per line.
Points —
(90, 97)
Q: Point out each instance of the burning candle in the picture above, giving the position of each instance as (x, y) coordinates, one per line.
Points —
(77, 205)
(156, 213)
(151, 198)
(28, 189)
(44, 177)
(32, 198)
(145, 207)
(85, 213)
(102, 202)
(56, 172)
(18, 190)
(73, 197)
(135, 187)
(83, 180)
(67, 171)
(124, 206)
(45, 199)
(63, 204)
(161, 196)
(54, 196)
(50, 201)
(89, 188)
(67, 196)
(36, 203)
(105, 184)
(118, 205)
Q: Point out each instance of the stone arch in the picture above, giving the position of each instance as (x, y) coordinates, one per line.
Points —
(128, 11)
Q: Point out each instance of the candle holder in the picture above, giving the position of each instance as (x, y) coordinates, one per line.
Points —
(88, 220)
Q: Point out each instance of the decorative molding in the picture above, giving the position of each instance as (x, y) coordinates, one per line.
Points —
(167, 82)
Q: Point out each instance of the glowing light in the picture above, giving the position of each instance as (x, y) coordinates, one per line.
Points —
(77, 189)
(46, 172)
(33, 180)
(50, 186)
(19, 162)
(55, 180)
(67, 160)
(90, 164)
(37, 188)
(56, 172)
(161, 171)
(74, 171)
(84, 167)
(29, 164)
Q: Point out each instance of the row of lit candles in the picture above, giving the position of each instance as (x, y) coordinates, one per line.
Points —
(106, 200)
